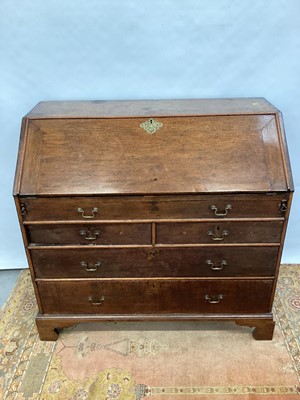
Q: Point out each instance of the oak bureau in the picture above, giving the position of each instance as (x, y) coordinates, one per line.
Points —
(153, 210)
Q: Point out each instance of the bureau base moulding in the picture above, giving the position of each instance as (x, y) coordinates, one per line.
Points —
(50, 325)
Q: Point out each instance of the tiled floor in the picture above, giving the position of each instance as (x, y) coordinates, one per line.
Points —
(8, 280)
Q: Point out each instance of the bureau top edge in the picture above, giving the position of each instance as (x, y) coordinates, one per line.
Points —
(140, 108)
(151, 195)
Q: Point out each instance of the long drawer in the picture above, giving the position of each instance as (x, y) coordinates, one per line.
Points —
(151, 262)
(155, 296)
(220, 232)
(152, 207)
(105, 234)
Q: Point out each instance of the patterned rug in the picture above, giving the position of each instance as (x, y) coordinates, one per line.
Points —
(163, 361)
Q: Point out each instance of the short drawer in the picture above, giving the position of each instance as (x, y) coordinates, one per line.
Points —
(155, 296)
(103, 234)
(219, 233)
(152, 207)
(163, 262)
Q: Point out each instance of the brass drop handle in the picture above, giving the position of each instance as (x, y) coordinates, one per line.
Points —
(96, 302)
(92, 215)
(221, 214)
(216, 267)
(90, 267)
(218, 233)
(214, 299)
(90, 233)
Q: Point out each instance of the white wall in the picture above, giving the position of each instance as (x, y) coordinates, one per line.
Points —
(116, 49)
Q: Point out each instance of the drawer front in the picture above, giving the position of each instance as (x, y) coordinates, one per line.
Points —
(163, 262)
(219, 233)
(152, 207)
(103, 234)
(156, 296)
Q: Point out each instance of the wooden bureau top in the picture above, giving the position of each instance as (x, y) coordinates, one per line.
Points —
(152, 147)
(151, 108)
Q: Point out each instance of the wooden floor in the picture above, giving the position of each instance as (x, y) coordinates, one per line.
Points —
(8, 280)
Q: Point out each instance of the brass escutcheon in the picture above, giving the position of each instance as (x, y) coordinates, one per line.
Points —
(151, 126)
(152, 254)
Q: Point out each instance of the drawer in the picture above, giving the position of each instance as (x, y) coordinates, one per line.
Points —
(219, 233)
(152, 207)
(163, 262)
(103, 234)
(155, 296)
